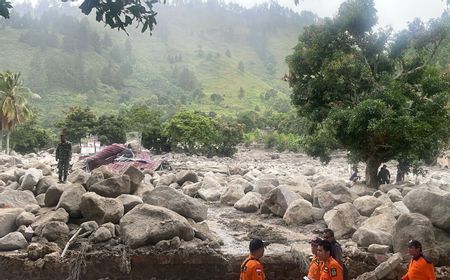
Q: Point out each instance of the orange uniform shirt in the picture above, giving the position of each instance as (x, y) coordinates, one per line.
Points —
(252, 269)
(314, 269)
(331, 270)
(420, 269)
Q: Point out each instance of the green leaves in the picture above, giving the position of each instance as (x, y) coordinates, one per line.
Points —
(5, 6)
(378, 98)
(121, 14)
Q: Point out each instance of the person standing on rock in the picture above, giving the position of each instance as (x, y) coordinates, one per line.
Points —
(384, 176)
(314, 266)
(420, 267)
(251, 268)
(336, 249)
(330, 269)
(63, 157)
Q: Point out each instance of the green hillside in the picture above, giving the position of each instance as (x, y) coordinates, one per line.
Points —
(202, 56)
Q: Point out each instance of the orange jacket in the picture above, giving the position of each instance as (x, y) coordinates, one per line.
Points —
(420, 269)
(314, 269)
(331, 270)
(252, 269)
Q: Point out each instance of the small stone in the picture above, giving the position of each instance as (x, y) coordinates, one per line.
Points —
(379, 249)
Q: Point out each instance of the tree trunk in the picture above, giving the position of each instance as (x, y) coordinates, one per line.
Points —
(7, 141)
(1, 140)
(372, 165)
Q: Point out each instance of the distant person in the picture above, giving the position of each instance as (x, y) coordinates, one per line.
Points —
(63, 157)
(336, 249)
(420, 267)
(330, 269)
(400, 174)
(251, 268)
(354, 177)
(314, 266)
(384, 176)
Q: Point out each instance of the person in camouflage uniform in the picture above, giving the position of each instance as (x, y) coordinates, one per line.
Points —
(63, 157)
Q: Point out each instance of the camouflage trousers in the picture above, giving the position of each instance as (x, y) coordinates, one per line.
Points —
(63, 169)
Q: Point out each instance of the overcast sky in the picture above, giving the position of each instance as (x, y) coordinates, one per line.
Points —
(396, 13)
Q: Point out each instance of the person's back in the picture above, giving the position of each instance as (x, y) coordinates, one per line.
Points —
(251, 268)
(384, 175)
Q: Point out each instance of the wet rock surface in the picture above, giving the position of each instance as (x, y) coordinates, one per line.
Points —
(200, 216)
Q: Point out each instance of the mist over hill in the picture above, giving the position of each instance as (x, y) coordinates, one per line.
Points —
(209, 56)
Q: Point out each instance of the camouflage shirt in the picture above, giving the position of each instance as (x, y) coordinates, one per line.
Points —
(64, 151)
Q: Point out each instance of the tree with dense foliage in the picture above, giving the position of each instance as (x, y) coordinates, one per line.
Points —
(191, 132)
(29, 137)
(77, 123)
(374, 94)
(110, 129)
(14, 107)
(146, 120)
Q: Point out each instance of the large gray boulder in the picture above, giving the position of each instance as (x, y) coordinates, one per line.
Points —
(343, 220)
(149, 224)
(300, 212)
(300, 185)
(129, 201)
(186, 176)
(30, 179)
(13, 241)
(25, 218)
(414, 226)
(78, 177)
(44, 184)
(174, 200)
(232, 194)
(249, 203)
(395, 195)
(367, 204)
(59, 215)
(106, 171)
(17, 199)
(54, 193)
(95, 177)
(112, 187)
(384, 222)
(8, 218)
(102, 234)
(264, 186)
(46, 169)
(192, 189)
(279, 199)
(387, 208)
(166, 180)
(375, 230)
(136, 177)
(238, 180)
(210, 189)
(432, 202)
(330, 194)
(71, 200)
(101, 209)
(53, 230)
(364, 237)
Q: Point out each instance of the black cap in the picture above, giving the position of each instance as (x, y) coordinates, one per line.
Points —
(315, 241)
(256, 244)
(415, 244)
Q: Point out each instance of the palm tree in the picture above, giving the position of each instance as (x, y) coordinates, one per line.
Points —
(13, 104)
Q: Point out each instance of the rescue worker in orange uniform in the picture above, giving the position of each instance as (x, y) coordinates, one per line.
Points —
(420, 267)
(251, 268)
(314, 266)
(330, 268)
